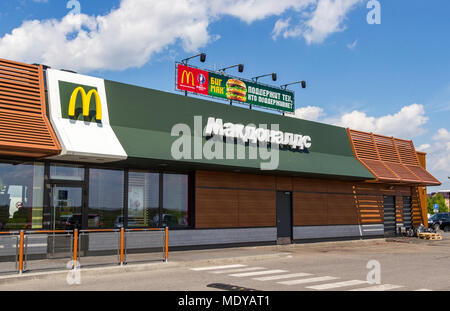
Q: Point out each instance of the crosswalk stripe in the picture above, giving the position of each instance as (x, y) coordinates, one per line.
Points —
(337, 285)
(218, 267)
(237, 270)
(423, 290)
(239, 275)
(310, 280)
(283, 276)
(377, 288)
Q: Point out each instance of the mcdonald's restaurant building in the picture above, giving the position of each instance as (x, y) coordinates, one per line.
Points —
(83, 152)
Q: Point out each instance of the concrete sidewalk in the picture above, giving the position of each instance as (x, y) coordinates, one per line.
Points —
(94, 265)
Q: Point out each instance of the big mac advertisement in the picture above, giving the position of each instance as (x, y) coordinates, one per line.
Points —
(241, 90)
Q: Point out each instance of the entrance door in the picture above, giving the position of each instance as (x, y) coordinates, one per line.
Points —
(284, 217)
(389, 215)
(66, 204)
(407, 213)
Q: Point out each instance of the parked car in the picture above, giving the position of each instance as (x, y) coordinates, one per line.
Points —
(74, 222)
(440, 221)
(119, 223)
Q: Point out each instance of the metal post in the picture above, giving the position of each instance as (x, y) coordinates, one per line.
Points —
(21, 251)
(75, 248)
(122, 236)
(166, 259)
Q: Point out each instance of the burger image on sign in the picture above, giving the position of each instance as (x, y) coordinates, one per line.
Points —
(236, 90)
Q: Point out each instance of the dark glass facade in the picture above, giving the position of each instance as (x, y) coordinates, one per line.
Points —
(54, 196)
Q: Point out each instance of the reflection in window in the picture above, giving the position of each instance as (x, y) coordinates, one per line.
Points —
(105, 198)
(175, 201)
(21, 196)
(66, 172)
(143, 199)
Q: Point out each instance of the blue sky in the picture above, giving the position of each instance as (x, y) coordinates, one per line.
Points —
(392, 78)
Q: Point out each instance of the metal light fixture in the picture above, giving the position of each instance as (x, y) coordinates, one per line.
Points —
(303, 83)
(201, 55)
(240, 68)
(274, 77)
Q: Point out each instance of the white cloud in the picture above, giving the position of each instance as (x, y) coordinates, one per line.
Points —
(326, 18)
(131, 34)
(438, 157)
(406, 123)
(312, 113)
(126, 37)
(424, 147)
(352, 46)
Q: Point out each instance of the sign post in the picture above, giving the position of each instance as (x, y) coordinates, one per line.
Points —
(436, 208)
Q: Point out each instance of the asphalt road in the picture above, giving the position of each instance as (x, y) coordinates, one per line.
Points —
(417, 265)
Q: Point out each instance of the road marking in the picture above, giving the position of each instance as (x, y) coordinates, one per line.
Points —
(238, 270)
(310, 280)
(240, 275)
(423, 290)
(378, 288)
(337, 285)
(283, 276)
(217, 267)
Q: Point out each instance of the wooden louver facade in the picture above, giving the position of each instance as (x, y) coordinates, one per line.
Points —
(25, 130)
(389, 159)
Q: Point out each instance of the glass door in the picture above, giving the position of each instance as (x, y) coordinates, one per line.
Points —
(65, 206)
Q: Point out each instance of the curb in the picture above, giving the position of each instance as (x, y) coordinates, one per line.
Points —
(137, 267)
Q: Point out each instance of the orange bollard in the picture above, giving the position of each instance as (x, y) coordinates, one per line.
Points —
(167, 245)
(122, 238)
(22, 236)
(75, 248)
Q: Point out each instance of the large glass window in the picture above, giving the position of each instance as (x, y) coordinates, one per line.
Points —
(175, 201)
(143, 199)
(21, 196)
(66, 172)
(105, 206)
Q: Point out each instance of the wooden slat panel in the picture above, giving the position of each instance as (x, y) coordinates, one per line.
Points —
(24, 127)
(255, 181)
(309, 209)
(216, 208)
(399, 209)
(309, 185)
(257, 208)
(216, 179)
(389, 159)
(284, 183)
(341, 210)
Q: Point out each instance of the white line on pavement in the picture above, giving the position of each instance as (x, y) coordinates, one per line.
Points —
(238, 270)
(239, 275)
(217, 267)
(310, 280)
(423, 290)
(337, 285)
(378, 288)
(283, 276)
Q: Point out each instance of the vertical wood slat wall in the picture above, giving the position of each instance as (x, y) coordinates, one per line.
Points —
(25, 130)
(234, 200)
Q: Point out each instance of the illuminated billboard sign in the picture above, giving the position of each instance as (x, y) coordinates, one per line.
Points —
(214, 84)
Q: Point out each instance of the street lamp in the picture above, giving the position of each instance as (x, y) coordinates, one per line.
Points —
(185, 61)
(240, 68)
(274, 78)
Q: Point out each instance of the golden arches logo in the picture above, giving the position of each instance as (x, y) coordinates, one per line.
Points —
(86, 100)
(189, 77)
